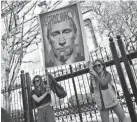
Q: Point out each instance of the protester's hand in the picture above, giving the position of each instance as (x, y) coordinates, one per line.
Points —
(91, 77)
(48, 89)
(92, 72)
(46, 71)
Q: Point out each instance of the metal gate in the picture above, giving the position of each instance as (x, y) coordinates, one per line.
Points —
(79, 106)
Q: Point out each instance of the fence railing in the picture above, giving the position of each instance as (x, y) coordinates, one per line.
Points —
(67, 109)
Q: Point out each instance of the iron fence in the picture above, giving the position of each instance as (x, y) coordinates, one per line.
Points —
(71, 108)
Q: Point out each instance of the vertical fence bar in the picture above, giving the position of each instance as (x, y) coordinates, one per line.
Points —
(73, 81)
(127, 66)
(28, 83)
(24, 96)
(123, 81)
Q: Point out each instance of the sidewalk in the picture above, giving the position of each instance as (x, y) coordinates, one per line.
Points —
(97, 118)
(114, 119)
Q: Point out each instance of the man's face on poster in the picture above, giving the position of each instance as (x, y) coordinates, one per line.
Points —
(61, 37)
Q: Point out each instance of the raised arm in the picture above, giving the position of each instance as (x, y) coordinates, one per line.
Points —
(105, 81)
(39, 99)
(102, 82)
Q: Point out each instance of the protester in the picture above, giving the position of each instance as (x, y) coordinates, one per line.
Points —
(42, 98)
(104, 92)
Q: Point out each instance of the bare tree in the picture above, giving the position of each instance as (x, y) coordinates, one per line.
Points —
(20, 30)
(116, 17)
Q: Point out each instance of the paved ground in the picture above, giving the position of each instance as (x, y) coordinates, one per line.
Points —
(94, 119)
(114, 119)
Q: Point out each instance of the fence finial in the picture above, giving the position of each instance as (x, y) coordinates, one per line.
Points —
(118, 36)
(22, 71)
(111, 39)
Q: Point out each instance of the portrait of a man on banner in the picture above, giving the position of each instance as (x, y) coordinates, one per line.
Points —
(62, 36)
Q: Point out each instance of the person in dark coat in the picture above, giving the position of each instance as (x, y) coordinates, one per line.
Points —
(5, 116)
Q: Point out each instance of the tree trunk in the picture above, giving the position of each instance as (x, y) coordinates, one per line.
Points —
(5, 79)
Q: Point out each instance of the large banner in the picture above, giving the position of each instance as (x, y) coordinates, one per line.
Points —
(63, 36)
